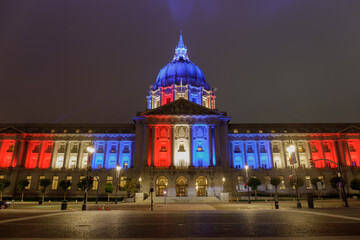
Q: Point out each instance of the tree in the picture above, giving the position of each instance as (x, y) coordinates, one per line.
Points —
(109, 188)
(355, 184)
(44, 183)
(83, 182)
(130, 186)
(254, 183)
(275, 182)
(3, 184)
(65, 184)
(335, 182)
(22, 184)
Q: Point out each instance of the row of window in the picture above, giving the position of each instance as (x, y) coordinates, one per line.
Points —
(55, 181)
(282, 186)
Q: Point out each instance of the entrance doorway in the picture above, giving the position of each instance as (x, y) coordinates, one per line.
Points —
(201, 186)
(181, 187)
(161, 186)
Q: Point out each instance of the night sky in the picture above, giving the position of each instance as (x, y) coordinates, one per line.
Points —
(88, 61)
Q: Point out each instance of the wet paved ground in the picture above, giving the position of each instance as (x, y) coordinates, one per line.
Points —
(182, 223)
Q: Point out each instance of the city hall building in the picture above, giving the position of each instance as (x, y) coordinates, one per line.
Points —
(181, 145)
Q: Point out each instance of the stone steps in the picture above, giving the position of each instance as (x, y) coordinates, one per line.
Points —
(183, 200)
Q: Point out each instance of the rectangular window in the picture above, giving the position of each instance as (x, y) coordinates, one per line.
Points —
(69, 178)
(61, 148)
(276, 148)
(41, 177)
(29, 185)
(96, 182)
(282, 183)
(122, 181)
(301, 148)
(262, 149)
(237, 149)
(308, 182)
(109, 179)
(267, 182)
(240, 185)
(313, 148)
(74, 148)
(321, 178)
(81, 179)
(55, 182)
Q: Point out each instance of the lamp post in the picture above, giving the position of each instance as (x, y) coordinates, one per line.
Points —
(223, 182)
(164, 197)
(90, 150)
(247, 183)
(118, 168)
(291, 151)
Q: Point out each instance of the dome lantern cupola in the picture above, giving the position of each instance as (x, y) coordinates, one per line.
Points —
(180, 79)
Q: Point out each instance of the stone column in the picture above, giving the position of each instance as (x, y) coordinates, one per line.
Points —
(190, 146)
(244, 151)
(297, 153)
(67, 154)
(283, 150)
(172, 145)
(211, 164)
(80, 154)
(39, 156)
(146, 146)
(323, 153)
(53, 155)
(309, 151)
(16, 151)
(348, 150)
(217, 145)
(257, 153)
(153, 130)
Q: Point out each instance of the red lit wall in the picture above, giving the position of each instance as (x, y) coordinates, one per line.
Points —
(162, 148)
(354, 150)
(316, 153)
(212, 102)
(32, 154)
(167, 95)
(329, 152)
(46, 154)
(150, 147)
(6, 154)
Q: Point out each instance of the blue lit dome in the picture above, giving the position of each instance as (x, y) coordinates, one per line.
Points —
(181, 69)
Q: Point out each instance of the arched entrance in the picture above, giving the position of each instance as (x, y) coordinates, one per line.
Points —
(161, 186)
(181, 187)
(201, 186)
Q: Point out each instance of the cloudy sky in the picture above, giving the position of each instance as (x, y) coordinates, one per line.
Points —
(85, 61)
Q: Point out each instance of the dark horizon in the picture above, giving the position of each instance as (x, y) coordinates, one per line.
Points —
(286, 61)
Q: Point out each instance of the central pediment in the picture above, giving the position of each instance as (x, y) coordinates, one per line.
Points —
(182, 106)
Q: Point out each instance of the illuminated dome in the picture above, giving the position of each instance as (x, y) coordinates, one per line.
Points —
(180, 79)
(181, 69)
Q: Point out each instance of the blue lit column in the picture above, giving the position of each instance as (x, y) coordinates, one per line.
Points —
(210, 147)
(190, 146)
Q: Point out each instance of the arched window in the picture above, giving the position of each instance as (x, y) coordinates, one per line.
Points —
(181, 187)
(201, 186)
(161, 186)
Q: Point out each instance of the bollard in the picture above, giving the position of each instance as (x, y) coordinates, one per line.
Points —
(310, 200)
(276, 202)
(63, 205)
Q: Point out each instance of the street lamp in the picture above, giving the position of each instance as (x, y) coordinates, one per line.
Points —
(90, 150)
(247, 183)
(164, 197)
(140, 179)
(118, 168)
(291, 151)
(223, 182)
